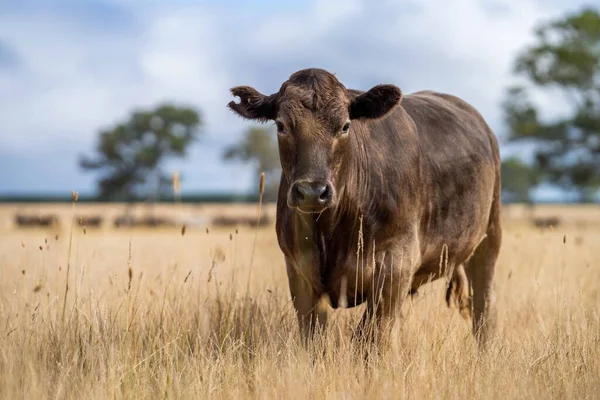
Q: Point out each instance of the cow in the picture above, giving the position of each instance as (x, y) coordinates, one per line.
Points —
(379, 194)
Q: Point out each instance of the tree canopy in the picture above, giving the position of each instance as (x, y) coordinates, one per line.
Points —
(518, 179)
(565, 62)
(258, 146)
(130, 155)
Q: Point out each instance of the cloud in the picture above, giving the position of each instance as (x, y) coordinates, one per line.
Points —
(78, 67)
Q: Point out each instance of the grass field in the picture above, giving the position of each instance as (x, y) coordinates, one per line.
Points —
(157, 314)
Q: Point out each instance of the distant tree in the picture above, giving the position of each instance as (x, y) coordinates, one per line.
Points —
(565, 58)
(130, 155)
(259, 147)
(518, 179)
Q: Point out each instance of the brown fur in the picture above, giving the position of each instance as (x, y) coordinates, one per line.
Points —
(457, 292)
(416, 194)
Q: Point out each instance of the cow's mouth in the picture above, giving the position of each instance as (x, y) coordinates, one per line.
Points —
(311, 210)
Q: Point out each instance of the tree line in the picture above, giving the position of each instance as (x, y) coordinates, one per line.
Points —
(563, 149)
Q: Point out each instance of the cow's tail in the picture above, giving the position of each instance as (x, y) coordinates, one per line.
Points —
(458, 294)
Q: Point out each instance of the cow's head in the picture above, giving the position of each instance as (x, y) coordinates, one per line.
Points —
(313, 113)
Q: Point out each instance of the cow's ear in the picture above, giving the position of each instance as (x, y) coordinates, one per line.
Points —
(253, 105)
(375, 103)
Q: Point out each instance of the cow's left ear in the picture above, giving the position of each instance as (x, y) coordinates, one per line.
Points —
(375, 103)
(253, 104)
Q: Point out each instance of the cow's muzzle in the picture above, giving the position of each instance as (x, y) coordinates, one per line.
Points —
(309, 196)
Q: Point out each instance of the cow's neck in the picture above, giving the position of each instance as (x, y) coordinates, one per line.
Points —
(334, 230)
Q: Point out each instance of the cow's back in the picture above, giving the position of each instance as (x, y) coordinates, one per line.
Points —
(460, 173)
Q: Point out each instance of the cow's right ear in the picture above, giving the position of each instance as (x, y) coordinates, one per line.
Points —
(253, 105)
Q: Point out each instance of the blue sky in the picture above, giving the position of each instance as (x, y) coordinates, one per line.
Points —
(70, 68)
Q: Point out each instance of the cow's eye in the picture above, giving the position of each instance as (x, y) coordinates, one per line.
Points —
(280, 127)
(346, 127)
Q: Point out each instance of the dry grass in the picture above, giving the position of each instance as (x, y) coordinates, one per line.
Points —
(154, 314)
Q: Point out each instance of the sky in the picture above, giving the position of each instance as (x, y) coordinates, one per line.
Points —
(71, 68)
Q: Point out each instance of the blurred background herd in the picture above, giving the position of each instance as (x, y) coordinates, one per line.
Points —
(125, 101)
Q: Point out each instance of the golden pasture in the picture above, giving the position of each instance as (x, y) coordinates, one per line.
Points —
(152, 313)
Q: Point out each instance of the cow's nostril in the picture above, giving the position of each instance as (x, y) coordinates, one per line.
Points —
(325, 195)
(299, 194)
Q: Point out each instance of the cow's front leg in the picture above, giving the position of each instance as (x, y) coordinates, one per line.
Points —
(305, 297)
(390, 285)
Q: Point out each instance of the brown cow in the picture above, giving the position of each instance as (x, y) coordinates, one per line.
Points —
(377, 198)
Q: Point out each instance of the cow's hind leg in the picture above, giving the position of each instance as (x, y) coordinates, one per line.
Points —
(480, 272)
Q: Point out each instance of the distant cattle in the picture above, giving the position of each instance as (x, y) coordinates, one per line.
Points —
(90, 222)
(152, 221)
(124, 220)
(546, 222)
(229, 221)
(148, 221)
(29, 221)
(381, 193)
